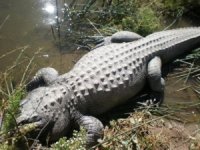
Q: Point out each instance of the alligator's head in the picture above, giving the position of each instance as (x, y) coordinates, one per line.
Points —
(46, 108)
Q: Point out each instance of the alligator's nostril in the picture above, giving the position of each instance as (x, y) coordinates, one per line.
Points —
(20, 120)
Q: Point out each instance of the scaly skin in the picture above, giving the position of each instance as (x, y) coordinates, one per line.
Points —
(102, 79)
(119, 37)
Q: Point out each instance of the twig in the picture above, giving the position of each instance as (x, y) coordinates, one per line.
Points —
(12, 51)
(185, 74)
(2, 24)
(181, 89)
(196, 74)
(39, 135)
(12, 67)
(190, 71)
(4, 93)
(58, 25)
(183, 61)
(19, 56)
(27, 67)
(7, 87)
(180, 13)
(53, 33)
(2, 115)
(94, 27)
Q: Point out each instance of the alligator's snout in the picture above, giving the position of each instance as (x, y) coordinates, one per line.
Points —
(21, 120)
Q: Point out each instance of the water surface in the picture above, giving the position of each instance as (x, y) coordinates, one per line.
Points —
(28, 23)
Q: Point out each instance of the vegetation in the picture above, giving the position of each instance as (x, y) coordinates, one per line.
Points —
(11, 93)
(140, 16)
(78, 141)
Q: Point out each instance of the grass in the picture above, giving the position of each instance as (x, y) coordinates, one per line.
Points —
(77, 141)
(142, 17)
(11, 94)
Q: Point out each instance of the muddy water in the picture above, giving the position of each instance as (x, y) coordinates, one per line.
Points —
(28, 23)
(181, 97)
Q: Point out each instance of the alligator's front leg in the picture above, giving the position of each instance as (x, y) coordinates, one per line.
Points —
(93, 126)
(156, 82)
(43, 77)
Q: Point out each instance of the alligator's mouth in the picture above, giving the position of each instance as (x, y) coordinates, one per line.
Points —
(37, 122)
(34, 128)
(21, 120)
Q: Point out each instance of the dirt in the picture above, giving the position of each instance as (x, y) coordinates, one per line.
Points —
(176, 135)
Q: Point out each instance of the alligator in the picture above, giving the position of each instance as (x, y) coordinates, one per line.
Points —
(102, 79)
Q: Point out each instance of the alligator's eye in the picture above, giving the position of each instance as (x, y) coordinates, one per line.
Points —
(34, 118)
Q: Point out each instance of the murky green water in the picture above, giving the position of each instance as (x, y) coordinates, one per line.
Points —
(28, 23)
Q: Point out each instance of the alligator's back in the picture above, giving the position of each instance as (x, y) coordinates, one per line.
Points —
(109, 75)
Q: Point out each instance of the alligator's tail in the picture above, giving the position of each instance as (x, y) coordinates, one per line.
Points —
(172, 43)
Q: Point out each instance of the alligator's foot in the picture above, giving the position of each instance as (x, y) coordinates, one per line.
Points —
(43, 77)
(155, 98)
(93, 126)
(156, 82)
(119, 37)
